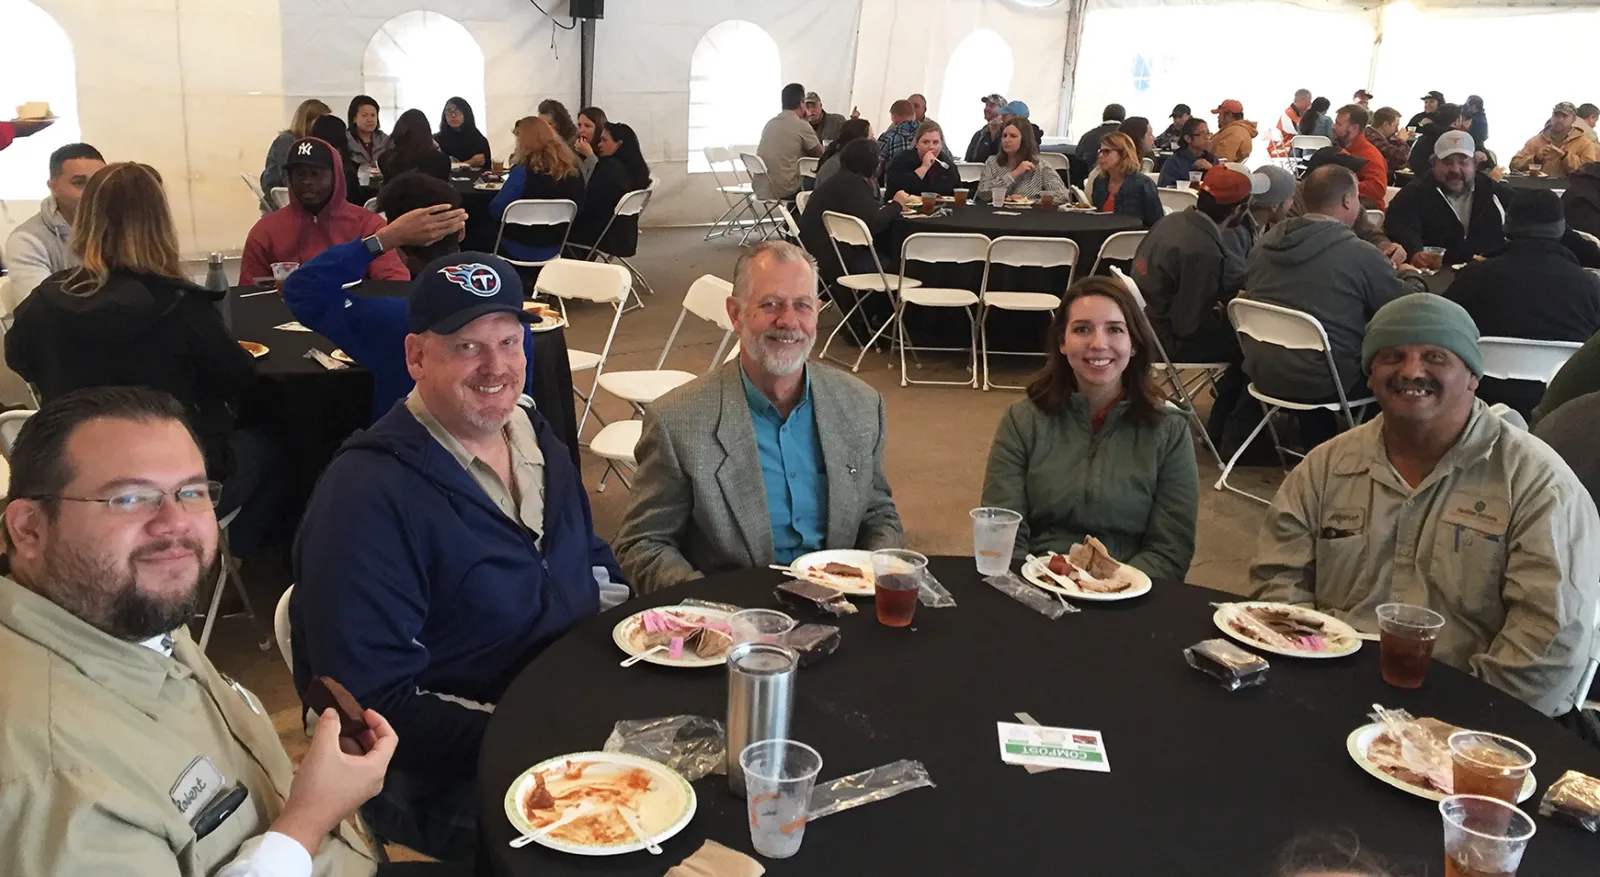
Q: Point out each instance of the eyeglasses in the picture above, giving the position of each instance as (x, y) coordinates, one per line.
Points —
(1108, 152)
(135, 501)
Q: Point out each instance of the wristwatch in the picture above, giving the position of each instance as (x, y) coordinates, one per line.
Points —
(373, 245)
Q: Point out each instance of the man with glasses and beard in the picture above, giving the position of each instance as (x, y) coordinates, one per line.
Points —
(125, 751)
(444, 548)
(1438, 502)
(766, 458)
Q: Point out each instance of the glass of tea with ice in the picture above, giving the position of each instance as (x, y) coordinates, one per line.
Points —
(1489, 764)
(897, 578)
(1406, 635)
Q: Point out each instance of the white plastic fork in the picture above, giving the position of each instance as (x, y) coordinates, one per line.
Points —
(632, 819)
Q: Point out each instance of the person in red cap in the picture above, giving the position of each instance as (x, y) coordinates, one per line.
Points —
(1233, 140)
(1187, 272)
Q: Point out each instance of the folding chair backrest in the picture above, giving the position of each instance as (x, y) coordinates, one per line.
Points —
(1122, 245)
(1147, 165)
(633, 203)
(585, 281)
(970, 171)
(372, 205)
(11, 424)
(1054, 160)
(1389, 193)
(715, 155)
(1309, 141)
(1178, 200)
(1028, 252)
(707, 298)
(280, 197)
(951, 249)
(253, 186)
(808, 166)
(1375, 217)
(800, 199)
(1277, 325)
(540, 211)
(1524, 359)
(757, 169)
(1131, 284)
(846, 229)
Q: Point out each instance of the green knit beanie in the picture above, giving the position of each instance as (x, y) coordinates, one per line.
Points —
(1423, 318)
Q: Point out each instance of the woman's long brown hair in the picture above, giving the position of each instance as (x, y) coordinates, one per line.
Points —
(541, 151)
(1027, 150)
(1052, 388)
(123, 224)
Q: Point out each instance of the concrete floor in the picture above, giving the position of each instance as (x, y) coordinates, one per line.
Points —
(938, 443)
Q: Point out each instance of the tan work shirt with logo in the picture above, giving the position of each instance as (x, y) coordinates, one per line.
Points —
(523, 499)
(1501, 538)
(101, 744)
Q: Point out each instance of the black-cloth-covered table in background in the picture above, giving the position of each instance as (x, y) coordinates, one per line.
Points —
(313, 410)
(1203, 783)
(481, 226)
(1548, 184)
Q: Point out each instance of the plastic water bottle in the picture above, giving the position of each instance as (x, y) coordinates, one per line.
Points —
(217, 284)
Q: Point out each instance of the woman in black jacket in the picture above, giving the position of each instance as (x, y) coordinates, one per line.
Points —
(411, 148)
(919, 170)
(850, 191)
(459, 138)
(621, 169)
(127, 317)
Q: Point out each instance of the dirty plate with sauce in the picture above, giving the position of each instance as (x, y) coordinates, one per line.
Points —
(663, 800)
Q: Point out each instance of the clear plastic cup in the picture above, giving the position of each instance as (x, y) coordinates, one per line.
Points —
(761, 626)
(1435, 257)
(281, 271)
(994, 538)
(1483, 837)
(1490, 765)
(896, 581)
(1183, 185)
(1406, 635)
(778, 778)
(997, 196)
(1195, 177)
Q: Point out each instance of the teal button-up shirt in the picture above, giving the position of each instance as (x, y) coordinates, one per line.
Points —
(792, 471)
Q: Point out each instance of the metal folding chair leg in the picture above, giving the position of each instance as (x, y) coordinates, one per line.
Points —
(228, 572)
(861, 298)
(1222, 481)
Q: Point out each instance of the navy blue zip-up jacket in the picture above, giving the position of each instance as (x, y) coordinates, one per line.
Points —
(411, 583)
(371, 330)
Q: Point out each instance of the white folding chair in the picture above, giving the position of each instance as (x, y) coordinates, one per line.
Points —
(533, 212)
(939, 249)
(280, 197)
(1178, 200)
(736, 193)
(615, 442)
(11, 424)
(1021, 252)
(970, 171)
(371, 205)
(788, 226)
(763, 203)
(1524, 359)
(800, 200)
(1179, 390)
(1147, 166)
(631, 204)
(1054, 161)
(1389, 193)
(1589, 671)
(571, 279)
(255, 191)
(808, 167)
(280, 628)
(1375, 217)
(845, 229)
(1121, 246)
(1292, 330)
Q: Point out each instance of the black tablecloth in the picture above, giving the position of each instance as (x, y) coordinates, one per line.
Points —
(1548, 184)
(481, 226)
(1203, 782)
(1090, 230)
(313, 409)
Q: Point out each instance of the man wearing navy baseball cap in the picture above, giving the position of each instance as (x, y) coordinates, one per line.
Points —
(444, 548)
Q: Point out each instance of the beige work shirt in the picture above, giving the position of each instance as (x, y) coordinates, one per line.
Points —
(99, 748)
(1501, 538)
(523, 499)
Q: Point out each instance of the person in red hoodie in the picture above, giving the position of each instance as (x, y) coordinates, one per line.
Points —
(316, 218)
(1349, 131)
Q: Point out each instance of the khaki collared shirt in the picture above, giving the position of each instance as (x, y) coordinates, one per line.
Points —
(1501, 538)
(98, 751)
(523, 499)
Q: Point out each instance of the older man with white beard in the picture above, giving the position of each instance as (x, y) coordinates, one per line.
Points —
(766, 458)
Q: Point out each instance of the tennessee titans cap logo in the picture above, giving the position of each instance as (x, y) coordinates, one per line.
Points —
(475, 277)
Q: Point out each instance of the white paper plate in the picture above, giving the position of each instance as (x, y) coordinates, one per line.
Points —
(488, 187)
(851, 587)
(626, 630)
(663, 810)
(1361, 738)
(1033, 571)
(1329, 621)
(548, 324)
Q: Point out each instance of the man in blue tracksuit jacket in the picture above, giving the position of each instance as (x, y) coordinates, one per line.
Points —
(443, 549)
(428, 224)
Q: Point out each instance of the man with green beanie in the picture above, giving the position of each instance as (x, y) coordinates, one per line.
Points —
(1437, 502)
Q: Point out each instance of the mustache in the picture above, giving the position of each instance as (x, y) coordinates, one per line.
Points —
(166, 545)
(1400, 385)
(785, 335)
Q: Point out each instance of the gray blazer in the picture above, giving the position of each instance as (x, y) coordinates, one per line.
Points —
(699, 504)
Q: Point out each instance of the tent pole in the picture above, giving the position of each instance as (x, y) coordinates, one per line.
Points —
(1076, 10)
(586, 61)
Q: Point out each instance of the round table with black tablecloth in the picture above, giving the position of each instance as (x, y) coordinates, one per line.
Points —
(313, 410)
(1522, 182)
(1203, 782)
(481, 226)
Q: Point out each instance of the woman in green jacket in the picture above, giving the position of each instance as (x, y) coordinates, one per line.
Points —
(1092, 451)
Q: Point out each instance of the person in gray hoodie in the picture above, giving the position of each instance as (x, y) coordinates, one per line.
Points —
(1316, 264)
(38, 247)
